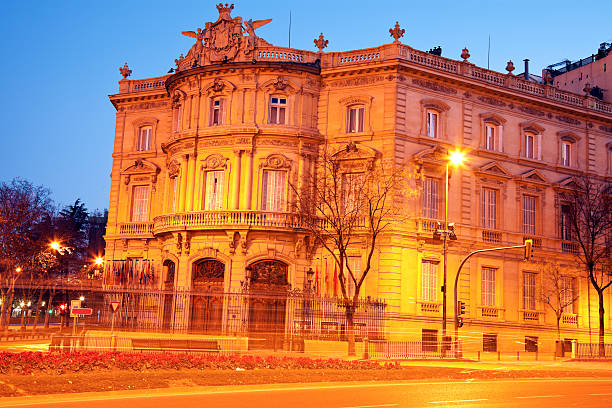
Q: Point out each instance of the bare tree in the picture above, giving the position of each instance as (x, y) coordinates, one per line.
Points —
(347, 201)
(590, 221)
(557, 291)
(23, 210)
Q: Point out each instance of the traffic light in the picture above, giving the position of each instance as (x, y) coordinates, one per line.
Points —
(460, 322)
(63, 308)
(528, 249)
(460, 307)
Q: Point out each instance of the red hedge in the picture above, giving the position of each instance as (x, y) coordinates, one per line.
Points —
(59, 363)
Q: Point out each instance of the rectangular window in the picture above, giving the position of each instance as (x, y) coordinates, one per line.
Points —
(430, 198)
(567, 294)
(488, 286)
(529, 290)
(530, 146)
(489, 342)
(565, 227)
(432, 124)
(354, 120)
(352, 188)
(566, 153)
(273, 190)
(213, 190)
(529, 215)
(430, 340)
(140, 203)
(174, 192)
(354, 262)
(144, 138)
(178, 113)
(429, 281)
(490, 137)
(489, 208)
(278, 110)
(531, 344)
(216, 112)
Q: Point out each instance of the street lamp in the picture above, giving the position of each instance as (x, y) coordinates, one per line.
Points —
(456, 158)
(55, 245)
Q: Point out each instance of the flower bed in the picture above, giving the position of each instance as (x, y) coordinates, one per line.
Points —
(60, 363)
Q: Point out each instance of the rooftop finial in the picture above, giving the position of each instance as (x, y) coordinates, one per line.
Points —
(321, 42)
(225, 11)
(397, 33)
(465, 54)
(125, 71)
(510, 67)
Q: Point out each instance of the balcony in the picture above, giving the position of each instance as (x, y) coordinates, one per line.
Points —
(203, 220)
(537, 242)
(427, 225)
(430, 307)
(569, 320)
(531, 316)
(493, 237)
(568, 247)
(136, 228)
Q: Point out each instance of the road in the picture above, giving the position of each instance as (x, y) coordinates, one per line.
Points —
(496, 393)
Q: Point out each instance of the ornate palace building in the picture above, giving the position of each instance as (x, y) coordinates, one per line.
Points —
(200, 218)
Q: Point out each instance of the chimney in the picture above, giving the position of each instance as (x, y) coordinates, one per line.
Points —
(526, 69)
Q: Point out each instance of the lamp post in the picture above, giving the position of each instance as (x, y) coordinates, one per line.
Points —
(456, 158)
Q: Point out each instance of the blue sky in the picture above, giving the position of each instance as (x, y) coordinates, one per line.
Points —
(61, 60)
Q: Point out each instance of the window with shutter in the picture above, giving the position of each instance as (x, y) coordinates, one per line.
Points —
(140, 203)
(490, 135)
(429, 279)
(529, 290)
(566, 153)
(213, 190)
(564, 222)
(430, 198)
(567, 293)
(217, 111)
(488, 286)
(273, 190)
(489, 208)
(529, 215)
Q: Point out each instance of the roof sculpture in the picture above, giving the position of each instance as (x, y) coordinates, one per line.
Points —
(222, 41)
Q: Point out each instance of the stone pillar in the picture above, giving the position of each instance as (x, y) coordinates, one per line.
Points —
(182, 185)
(237, 178)
(249, 181)
(190, 183)
(197, 192)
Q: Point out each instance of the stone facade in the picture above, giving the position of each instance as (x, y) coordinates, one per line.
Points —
(218, 117)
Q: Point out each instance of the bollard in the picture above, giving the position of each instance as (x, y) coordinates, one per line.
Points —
(517, 355)
(366, 354)
(499, 356)
(478, 355)
(536, 355)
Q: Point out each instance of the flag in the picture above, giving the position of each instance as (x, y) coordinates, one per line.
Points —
(316, 288)
(326, 280)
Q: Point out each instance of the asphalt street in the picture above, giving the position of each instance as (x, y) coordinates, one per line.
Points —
(517, 393)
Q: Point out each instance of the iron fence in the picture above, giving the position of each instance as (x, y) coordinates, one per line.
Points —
(406, 350)
(593, 350)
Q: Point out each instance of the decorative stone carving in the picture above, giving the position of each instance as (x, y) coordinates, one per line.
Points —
(280, 84)
(397, 33)
(492, 101)
(465, 54)
(510, 67)
(173, 168)
(217, 85)
(276, 161)
(320, 42)
(434, 86)
(215, 161)
(269, 272)
(125, 71)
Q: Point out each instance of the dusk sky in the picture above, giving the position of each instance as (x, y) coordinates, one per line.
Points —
(61, 61)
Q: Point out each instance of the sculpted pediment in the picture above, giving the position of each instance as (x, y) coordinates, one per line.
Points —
(494, 169)
(432, 154)
(141, 166)
(533, 176)
(354, 151)
(568, 183)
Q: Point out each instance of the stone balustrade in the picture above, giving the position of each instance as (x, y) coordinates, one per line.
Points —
(404, 53)
(136, 228)
(227, 219)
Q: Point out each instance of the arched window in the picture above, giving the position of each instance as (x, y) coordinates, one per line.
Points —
(207, 272)
(269, 272)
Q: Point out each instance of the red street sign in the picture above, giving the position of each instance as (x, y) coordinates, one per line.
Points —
(85, 311)
(114, 306)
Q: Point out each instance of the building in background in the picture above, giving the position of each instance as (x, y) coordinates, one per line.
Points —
(200, 227)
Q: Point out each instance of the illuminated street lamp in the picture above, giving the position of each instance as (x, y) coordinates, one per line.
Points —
(99, 261)
(456, 158)
(55, 245)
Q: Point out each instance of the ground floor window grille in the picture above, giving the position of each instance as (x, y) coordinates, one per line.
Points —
(531, 344)
(489, 342)
(430, 340)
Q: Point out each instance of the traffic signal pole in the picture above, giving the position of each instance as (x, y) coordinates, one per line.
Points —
(527, 246)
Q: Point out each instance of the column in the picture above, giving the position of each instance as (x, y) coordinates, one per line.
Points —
(197, 192)
(249, 181)
(237, 179)
(190, 182)
(183, 184)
